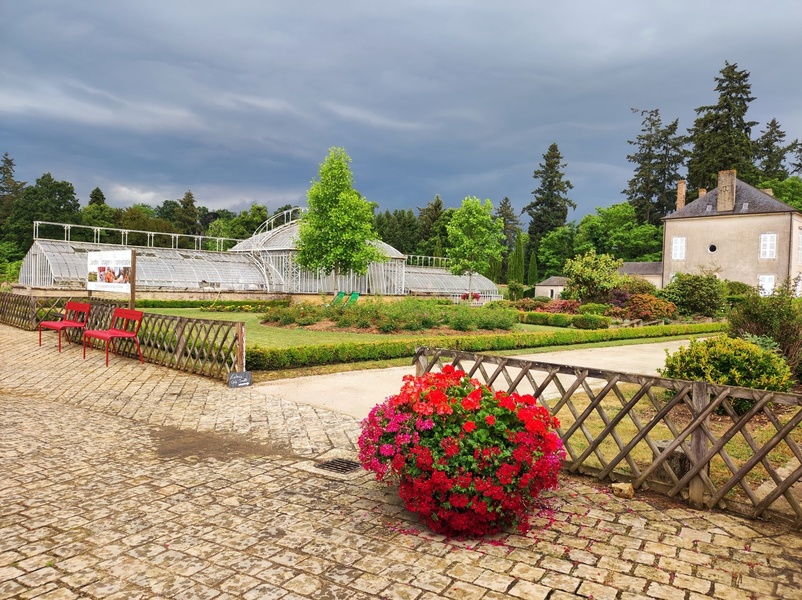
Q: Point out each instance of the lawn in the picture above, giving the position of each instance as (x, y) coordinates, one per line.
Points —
(267, 336)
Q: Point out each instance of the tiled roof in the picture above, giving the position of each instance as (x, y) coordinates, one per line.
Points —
(748, 201)
(641, 268)
(553, 280)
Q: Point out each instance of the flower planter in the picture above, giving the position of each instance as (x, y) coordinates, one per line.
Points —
(468, 461)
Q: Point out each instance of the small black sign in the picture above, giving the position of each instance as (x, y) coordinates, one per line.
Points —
(240, 379)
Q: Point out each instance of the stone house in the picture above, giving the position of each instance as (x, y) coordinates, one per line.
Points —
(551, 287)
(737, 231)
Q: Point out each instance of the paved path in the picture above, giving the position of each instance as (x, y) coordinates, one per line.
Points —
(134, 481)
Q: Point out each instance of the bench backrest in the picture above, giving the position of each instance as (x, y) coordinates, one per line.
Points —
(77, 311)
(125, 319)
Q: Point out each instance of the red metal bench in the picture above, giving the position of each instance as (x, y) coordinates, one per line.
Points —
(125, 324)
(76, 315)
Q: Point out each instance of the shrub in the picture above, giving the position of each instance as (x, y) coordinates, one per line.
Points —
(559, 320)
(637, 285)
(461, 318)
(778, 317)
(591, 321)
(695, 294)
(534, 318)
(495, 319)
(569, 307)
(649, 308)
(592, 308)
(730, 361)
(468, 461)
(738, 288)
(515, 290)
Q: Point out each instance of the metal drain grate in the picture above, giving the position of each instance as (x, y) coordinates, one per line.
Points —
(339, 465)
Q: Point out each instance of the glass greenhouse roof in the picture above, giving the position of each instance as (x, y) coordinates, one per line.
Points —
(155, 267)
(283, 238)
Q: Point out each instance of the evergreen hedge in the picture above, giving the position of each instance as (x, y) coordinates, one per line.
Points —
(266, 359)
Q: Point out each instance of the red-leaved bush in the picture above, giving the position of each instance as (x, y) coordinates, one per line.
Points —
(468, 461)
(568, 307)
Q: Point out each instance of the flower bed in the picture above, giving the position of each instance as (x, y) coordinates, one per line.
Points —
(468, 461)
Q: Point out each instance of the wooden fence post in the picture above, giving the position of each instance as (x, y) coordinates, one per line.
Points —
(696, 487)
(240, 347)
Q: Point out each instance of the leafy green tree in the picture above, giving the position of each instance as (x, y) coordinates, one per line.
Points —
(771, 152)
(10, 189)
(659, 155)
(336, 232)
(788, 190)
(96, 196)
(721, 134)
(46, 200)
(515, 271)
(532, 271)
(142, 217)
(696, 294)
(510, 225)
(591, 277)
(474, 237)
(400, 229)
(186, 216)
(549, 209)
(98, 215)
(615, 230)
(428, 216)
(555, 249)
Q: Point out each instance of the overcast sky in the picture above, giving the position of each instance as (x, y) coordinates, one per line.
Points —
(239, 101)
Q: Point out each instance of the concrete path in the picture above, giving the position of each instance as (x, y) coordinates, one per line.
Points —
(356, 392)
(134, 481)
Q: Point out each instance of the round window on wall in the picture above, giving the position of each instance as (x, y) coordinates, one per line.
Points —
(712, 248)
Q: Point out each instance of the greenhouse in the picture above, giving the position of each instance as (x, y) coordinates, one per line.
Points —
(265, 263)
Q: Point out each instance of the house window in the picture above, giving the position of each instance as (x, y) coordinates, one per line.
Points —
(765, 284)
(678, 248)
(768, 245)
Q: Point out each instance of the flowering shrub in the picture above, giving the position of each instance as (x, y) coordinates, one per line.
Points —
(473, 296)
(468, 461)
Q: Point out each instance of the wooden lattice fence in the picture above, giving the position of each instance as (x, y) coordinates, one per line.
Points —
(203, 346)
(680, 438)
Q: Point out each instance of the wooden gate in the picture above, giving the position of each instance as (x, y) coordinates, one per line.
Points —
(680, 438)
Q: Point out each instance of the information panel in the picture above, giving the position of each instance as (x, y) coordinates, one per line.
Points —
(109, 271)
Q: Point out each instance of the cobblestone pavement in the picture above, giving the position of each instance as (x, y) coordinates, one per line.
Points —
(134, 481)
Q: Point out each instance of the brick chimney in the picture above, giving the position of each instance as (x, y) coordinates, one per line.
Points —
(725, 202)
(680, 194)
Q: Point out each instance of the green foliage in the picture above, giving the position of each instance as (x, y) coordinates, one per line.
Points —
(638, 285)
(556, 247)
(559, 320)
(532, 275)
(730, 361)
(788, 190)
(515, 290)
(737, 288)
(549, 209)
(335, 233)
(648, 308)
(474, 238)
(659, 155)
(515, 270)
(721, 133)
(47, 200)
(778, 316)
(770, 152)
(592, 308)
(695, 294)
(304, 356)
(762, 341)
(615, 230)
(591, 276)
(591, 321)
(400, 229)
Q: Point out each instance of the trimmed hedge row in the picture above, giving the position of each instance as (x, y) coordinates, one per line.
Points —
(266, 359)
(583, 321)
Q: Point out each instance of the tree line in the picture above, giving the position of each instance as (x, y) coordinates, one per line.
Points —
(720, 138)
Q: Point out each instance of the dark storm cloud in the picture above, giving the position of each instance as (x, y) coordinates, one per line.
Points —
(241, 101)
